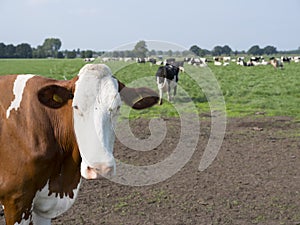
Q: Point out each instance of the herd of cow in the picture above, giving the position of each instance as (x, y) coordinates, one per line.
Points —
(168, 73)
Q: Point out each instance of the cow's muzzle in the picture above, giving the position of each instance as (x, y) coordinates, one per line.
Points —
(98, 171)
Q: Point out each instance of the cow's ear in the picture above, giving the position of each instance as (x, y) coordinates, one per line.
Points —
(54, 96)
(138, 98)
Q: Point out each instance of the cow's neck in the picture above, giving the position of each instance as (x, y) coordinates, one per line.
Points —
(67, 177)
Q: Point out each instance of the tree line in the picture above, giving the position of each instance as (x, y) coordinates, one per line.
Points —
(254, 50)
(51, 49)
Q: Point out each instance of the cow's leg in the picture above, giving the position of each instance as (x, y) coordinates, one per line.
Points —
(39, 220)
(160, 95)
(169, 91)
(17, 212)
(169, 95)
(160, 85)
(175, 84)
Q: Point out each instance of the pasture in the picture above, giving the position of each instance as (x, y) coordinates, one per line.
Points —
(247, 90)
(255, 177)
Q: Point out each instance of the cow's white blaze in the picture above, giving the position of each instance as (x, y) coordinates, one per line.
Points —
(18, 89)
(95, 105)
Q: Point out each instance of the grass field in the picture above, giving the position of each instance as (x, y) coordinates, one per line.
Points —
(247, 90)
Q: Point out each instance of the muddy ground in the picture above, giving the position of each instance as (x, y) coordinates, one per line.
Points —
(255, 179)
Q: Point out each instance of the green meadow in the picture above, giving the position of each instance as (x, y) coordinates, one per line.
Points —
(247, 91)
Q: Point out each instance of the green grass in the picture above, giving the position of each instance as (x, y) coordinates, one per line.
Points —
(53, 68)
(260, 89)
(246, 90)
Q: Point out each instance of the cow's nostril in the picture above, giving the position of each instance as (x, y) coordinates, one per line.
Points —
(104, 170)
(107, 170)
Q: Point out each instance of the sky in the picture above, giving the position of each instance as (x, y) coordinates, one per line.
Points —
(105, 25)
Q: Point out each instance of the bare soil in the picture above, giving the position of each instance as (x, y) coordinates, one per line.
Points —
(255, 179)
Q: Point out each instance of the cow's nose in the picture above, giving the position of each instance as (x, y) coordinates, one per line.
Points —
(101, 170)
(105, 170)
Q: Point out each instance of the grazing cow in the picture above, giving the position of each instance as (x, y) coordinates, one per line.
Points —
(167, 78)
(286, 59)
(198, 62)
(52, 132)
(152, 61)
(276, 63)
(141, 60)
(296, 59)
(217, 63)
(89, 59)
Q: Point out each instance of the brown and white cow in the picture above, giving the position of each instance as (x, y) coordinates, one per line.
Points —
(54, 132)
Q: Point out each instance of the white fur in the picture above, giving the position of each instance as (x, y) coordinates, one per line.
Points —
(46, 207)
(51, 206)
(164, 87)
(96, 102)
(18, 89)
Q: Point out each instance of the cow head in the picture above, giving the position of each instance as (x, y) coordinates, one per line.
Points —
(96, 102)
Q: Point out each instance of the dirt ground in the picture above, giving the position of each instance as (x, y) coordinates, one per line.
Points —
(255, 179)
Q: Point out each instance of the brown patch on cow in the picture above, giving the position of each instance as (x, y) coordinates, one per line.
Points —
(67, 179)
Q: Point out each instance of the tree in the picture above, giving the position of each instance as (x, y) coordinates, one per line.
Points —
(140, 50)
(71, 54)
(60, 55)
(217, 51)
(203, 52)
(152, 52)
(169, 53)
(255, 50)
(159, 53)
(2, 50)
(38, 52)
(195, 49)
(86, 54)
(23, 51)
(269, 50)
(226, 50)
(51, 47)
(10, 51)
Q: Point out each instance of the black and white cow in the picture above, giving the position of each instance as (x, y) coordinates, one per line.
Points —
(167, 78)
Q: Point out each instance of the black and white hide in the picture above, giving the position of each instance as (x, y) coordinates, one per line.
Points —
(167, 78)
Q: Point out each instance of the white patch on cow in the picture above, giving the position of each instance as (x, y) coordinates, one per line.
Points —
(18, 90)
(165, 87)
(23, 221)
(96, 103)
(162, 86)
(46, 207)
